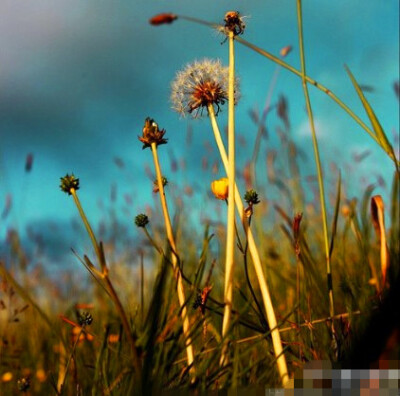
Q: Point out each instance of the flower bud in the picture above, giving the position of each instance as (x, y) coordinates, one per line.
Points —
(141, 220)
(69, 182)
(220, 188)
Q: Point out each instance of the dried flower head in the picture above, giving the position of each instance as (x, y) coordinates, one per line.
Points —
(234, 23)
(251, 197)
(141, 220)
(152, 134)
(201, 299)
(199, 85)
(161, 19)
(69, 182)
(220, 188)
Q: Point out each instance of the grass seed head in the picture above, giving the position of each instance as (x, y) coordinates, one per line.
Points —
(161, 19)
(141, 220)
(251, 197)
(152, 134)
(199, 85)
(69, 182)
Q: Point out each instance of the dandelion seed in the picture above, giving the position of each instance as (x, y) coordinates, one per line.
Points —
(199, 85)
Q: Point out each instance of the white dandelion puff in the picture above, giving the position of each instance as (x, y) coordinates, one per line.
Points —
(199, 85)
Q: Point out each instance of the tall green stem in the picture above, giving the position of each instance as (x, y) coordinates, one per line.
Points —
(317, 160)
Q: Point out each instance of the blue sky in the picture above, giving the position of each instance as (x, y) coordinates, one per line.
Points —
(77, 80)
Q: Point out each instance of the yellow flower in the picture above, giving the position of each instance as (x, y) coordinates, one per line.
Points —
(7, 377)
(220, 188)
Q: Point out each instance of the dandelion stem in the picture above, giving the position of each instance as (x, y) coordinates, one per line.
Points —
(269, 309)
(178, 275)
(230, 238)
(317, 161)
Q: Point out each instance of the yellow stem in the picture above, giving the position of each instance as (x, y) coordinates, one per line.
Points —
(171, 239)
(230, 235)
(269, 309)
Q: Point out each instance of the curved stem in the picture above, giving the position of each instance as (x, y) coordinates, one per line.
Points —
(110, 288)
(88, 227)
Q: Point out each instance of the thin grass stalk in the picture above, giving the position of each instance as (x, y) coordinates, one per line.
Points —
(230, 238)
(88, 227)
(141, 288)
(258, 337)
(318, 164)
(109, 286)
(62, 385)
(269, 309)
(263, 117)
(178, 275)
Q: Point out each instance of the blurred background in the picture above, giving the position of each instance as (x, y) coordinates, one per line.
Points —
(77, 80)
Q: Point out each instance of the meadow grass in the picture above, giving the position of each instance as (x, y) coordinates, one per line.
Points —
(256, 322)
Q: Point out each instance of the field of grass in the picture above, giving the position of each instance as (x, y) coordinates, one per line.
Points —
(303, 273)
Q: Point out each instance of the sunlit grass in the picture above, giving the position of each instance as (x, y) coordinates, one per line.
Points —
(256, 320)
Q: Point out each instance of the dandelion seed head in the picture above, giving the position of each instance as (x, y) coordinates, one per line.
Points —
(200, 84)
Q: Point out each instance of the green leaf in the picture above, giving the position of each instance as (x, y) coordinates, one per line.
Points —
(377, 127)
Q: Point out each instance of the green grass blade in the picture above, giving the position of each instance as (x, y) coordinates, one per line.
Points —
(377, 127)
